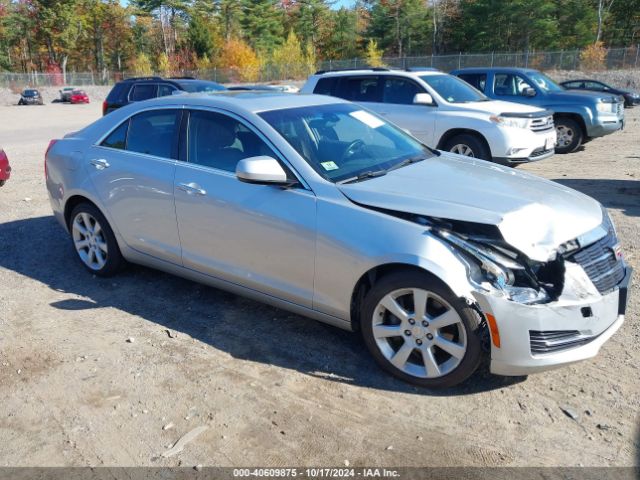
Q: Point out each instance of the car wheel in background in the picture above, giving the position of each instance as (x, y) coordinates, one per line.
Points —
(2, 182)
(468, 146)
(419, 331)
(94, 241)
(569, 135)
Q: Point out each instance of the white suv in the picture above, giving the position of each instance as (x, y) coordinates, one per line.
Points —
(445, 112)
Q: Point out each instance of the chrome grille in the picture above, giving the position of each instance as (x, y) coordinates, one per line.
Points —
(550, 341)
(541, 124)
(600, 263)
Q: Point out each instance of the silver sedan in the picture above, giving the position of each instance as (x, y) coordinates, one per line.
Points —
(322, 208)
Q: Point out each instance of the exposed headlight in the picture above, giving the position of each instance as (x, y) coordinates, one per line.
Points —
(514, 122)
(499, 269)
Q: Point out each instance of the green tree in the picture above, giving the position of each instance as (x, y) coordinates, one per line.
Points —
(200, 37)
(402, 27)
(262, 24)
(373, 54)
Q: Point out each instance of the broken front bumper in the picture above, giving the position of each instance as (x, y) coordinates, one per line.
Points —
(534, 338)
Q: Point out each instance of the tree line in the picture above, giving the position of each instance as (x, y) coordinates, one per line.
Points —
(177, 35)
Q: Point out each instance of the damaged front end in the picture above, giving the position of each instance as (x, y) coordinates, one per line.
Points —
(544, 314)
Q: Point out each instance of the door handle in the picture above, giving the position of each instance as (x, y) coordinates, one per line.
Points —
(100, 163)
(192, 188)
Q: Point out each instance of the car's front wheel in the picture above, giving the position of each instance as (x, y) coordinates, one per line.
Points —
(569, 135)
(94, 241)
(419, 331)
(468, 145)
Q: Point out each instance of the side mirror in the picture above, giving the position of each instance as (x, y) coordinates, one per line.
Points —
(423, 99)
(529, 92)
(262, 170)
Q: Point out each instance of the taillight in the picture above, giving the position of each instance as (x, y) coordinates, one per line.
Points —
(104, 107)
(51, 144)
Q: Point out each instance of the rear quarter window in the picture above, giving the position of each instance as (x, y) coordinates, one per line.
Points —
(118, 93)
(325, 86)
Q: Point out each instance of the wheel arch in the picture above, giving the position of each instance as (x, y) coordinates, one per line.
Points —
(73, 201)
(575, 117)
(449, 134)
(371, 276)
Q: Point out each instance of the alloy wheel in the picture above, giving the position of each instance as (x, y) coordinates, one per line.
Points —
(89, 241)
(419, 333)
(462, 149)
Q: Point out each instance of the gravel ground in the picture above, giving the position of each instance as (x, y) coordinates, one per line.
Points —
(92, 369)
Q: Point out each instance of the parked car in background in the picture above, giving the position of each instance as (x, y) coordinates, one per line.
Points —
(318, 206)
(79, 96)
(578, 116)
(630, 98)
(65, 94)
(30, 96)
(144, 88)
(5, 168)
(444, 112)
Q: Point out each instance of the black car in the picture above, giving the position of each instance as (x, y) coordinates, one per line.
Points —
(630, 98)
(30, 96)
(144, 88)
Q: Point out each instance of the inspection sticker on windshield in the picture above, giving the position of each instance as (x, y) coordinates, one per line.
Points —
(328, 166)
(367, 118)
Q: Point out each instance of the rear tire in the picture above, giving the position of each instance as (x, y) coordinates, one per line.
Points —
(570, 135)
(419, 331)
(94, 241)
(468, 145)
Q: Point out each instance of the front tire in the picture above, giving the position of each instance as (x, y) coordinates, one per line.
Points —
(94, 241)
(570, 135)
(419, 331)
(469, 146)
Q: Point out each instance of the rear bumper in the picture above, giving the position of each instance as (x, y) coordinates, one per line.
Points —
(589, 317)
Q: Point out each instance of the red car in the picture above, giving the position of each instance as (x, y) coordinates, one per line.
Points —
(5, 168)
(79, 96)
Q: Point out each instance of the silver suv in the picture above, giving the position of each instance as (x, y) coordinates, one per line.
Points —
(317, 206)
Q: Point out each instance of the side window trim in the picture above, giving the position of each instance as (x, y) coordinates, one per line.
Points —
(133, 88)
(175, 146)
(184, 126)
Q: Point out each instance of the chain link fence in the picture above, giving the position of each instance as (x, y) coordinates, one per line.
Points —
(615, 59)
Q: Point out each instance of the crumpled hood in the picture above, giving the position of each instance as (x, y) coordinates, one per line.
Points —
(534, 215)
(496, 107)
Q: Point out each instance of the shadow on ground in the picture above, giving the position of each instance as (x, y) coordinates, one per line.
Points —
(620, 194)
(243, 328)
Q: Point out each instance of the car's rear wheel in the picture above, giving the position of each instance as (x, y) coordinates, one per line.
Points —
(94, 241)
(419, 331)
(468, 146)
(569, 135)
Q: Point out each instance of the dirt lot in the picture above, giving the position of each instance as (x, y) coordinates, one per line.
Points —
(272, 388)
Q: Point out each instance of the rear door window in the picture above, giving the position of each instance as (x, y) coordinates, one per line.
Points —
(360, 89)
(118, 138)
(154, 133)
(143, 91)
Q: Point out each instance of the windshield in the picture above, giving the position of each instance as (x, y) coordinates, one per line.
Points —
(201, 86)
(342, 141)
(544, 83)
(453, 89)
(30, 93)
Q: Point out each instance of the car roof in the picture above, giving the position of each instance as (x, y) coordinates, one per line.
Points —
(252, 101)
(494, 69)
(379, 71)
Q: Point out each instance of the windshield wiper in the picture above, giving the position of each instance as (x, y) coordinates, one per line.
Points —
(408, 161)
(364, 176)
